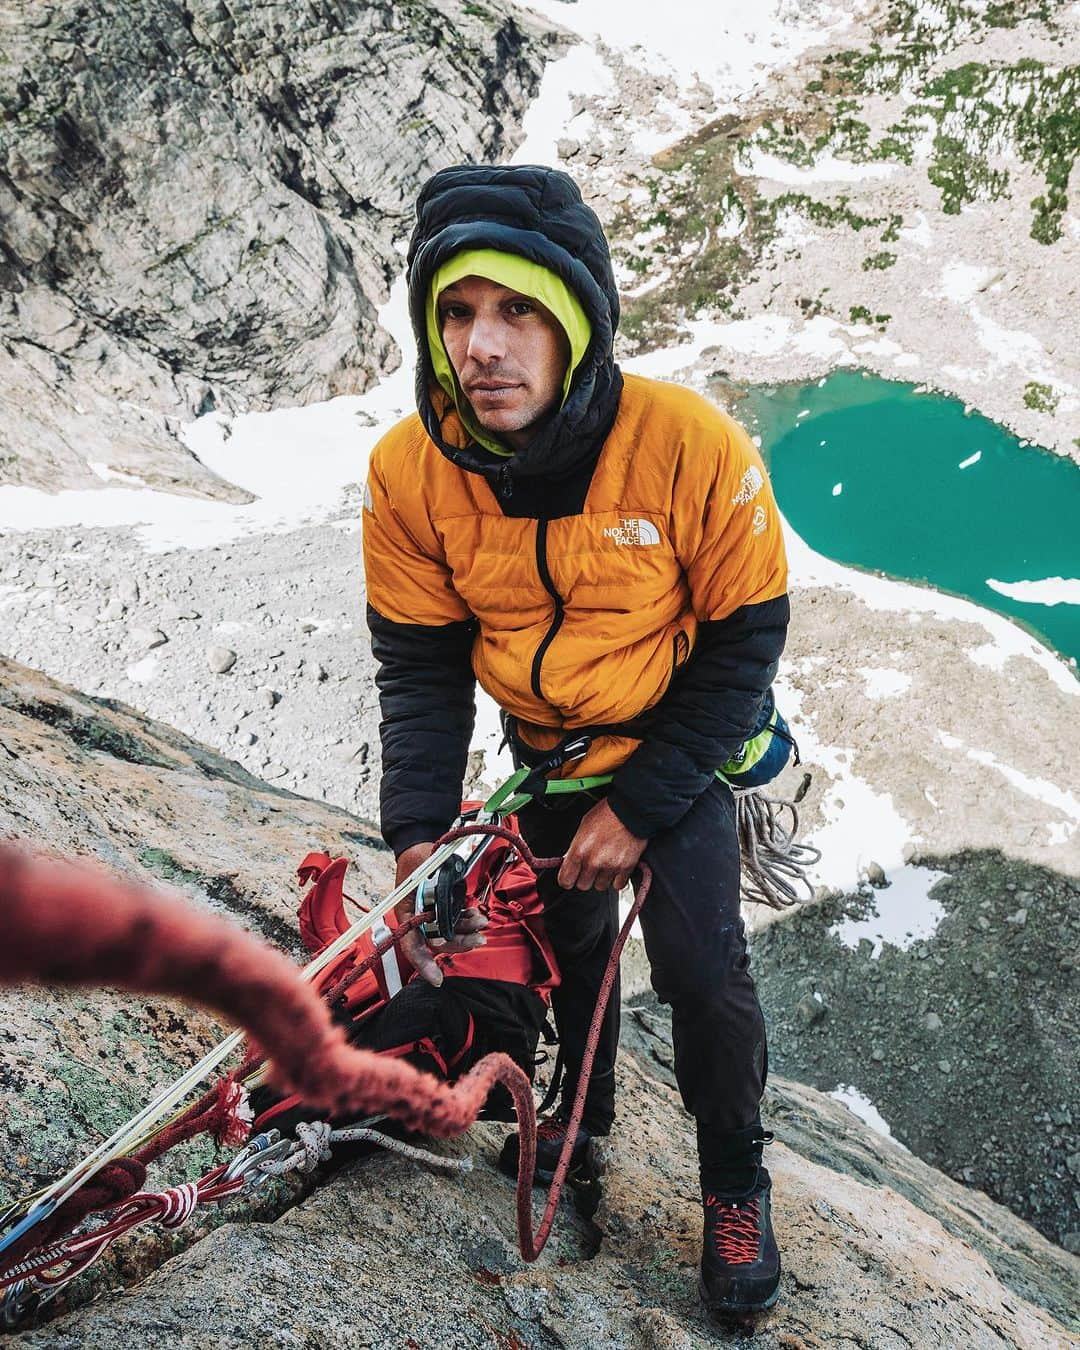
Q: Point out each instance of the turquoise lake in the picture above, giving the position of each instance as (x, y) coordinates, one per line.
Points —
(870, 472)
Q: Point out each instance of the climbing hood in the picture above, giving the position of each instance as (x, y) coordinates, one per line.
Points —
(537, 214)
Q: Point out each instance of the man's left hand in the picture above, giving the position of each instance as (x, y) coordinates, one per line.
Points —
(602, 854)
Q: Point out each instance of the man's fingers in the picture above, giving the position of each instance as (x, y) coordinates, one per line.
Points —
(586, 877)
(604, 880)
(568, 872)
(420, 958)
(464, 943)
(471, 921)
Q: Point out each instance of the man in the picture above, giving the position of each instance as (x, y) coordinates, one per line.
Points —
(600, 553)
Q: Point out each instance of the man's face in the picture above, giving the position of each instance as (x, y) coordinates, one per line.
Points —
(508, 352)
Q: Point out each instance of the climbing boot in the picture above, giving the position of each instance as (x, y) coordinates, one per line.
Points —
(740, 1264)
(582, 1177)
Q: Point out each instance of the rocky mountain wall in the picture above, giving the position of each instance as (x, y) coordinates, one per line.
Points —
(881, 1250)
(200, 204)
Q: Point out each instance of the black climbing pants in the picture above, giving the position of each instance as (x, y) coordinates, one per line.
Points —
(443, 1031)
(696, 945)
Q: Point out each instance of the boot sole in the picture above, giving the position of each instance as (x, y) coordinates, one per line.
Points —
(718, 1308)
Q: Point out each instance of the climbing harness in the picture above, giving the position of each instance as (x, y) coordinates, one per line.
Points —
(39, 1252)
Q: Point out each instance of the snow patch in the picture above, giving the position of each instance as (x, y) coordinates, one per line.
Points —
(102, 470)
(582, 73)
(919, 234)
(866, 1111)
(827, 168)
(1048, 591)
(142, 672)
(905, 912)
(882, 682)
(763, 335)
(961, 282)
(854, 812)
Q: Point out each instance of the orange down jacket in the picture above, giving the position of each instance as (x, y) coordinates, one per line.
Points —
(582, 621)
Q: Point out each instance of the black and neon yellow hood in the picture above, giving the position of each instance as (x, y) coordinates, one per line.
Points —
(536, 215)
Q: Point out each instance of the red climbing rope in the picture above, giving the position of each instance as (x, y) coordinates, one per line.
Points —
(72, 924)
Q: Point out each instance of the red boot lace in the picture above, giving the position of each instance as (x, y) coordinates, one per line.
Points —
(736, 1230)
(551, 1128)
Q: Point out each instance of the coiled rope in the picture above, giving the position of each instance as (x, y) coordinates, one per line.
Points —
(774, 863)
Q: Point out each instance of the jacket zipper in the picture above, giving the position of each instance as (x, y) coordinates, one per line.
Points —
(549, 586)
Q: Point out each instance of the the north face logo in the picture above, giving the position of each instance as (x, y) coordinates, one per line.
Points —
(751, 485)
(637, 532)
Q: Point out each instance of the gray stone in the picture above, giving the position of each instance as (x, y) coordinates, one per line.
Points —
(810, 1010)
(220, 659)
(267, 697)
(932, 1022)
(127, 591)
(146, 639)
(875, 875)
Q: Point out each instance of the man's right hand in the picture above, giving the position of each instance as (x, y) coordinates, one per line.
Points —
(420, 954)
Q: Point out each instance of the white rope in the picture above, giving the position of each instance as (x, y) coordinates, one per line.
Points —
(361, 1134)
(774, 863)
(315, 1139)
(311, 1148)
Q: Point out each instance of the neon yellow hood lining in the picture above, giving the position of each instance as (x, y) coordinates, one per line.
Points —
(519, 274)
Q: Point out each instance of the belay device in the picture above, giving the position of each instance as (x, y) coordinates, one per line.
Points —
(444, 892)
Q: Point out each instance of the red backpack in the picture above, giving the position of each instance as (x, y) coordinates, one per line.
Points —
(501, 884)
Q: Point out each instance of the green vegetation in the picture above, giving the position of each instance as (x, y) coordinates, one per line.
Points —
(700, 198)
(709, 227)
(979, 112)
(860, 314)
(1040, 397)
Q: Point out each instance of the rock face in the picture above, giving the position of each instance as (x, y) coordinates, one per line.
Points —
(880, 1249)
(90, 778)
(199, 206)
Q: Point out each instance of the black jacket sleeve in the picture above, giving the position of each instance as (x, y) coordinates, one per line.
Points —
(702, 719)
(427, 697)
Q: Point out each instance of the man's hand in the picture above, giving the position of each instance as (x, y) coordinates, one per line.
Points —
(602, 854)
(420, 954)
